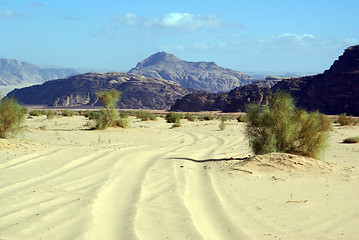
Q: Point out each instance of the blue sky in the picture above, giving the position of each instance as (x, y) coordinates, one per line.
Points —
(252, 35)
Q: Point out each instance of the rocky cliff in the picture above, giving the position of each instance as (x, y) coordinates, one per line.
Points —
(14, 72)
(333, 92)
(191, 75)
(136, 91)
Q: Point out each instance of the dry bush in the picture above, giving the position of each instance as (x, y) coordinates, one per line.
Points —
(344, 120)
(280, 127)
(173, 117)
(11, 117)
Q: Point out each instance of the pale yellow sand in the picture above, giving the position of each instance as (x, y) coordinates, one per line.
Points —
(60, 181)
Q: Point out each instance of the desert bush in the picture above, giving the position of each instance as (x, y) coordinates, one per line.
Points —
(280, 127)
(172, 117)
(11, 117)
(143, 115)
(109, 117)
(190, 117)
(206, 117)
(35, 112)
(242, 118)
(50, 114)
(176, 125)
(344, 120)
(222, 125)
(351, 140)
(67, 113)
(91, 114)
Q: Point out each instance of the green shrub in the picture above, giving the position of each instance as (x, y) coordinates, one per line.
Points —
(50, 114)
(172, 117)
(91, 114)
(280, 127)
(11, 117)
(143, 115)
(242, 118)
(109, 117)
(67, 113)
(35, 112)
(190, 117)
(351, 140)
(222, 125)
(206, 117)
(344, 120)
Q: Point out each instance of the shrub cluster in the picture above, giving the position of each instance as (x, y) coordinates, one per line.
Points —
(190, 117)
(280, 127)
(67, 113)
(206, 117)
(344, 120)
(11, 117)
(173, 117)
(144, 116)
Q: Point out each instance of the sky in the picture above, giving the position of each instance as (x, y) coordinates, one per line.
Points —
(247, 36)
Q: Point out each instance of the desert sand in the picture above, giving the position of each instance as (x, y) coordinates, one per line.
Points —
(61, 181)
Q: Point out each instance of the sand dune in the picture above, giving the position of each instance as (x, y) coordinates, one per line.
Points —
(61, 181)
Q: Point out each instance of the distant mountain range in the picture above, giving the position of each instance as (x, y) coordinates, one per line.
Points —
(206, 76)
(14, 72)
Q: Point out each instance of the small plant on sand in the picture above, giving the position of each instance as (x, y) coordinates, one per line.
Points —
(67, 113)
(222, 125)
(242, 118)
(206, 117)
(190, 117)
(280, 127)
(172, 117)
(109, 117)
(144, 116)
(176, 125)
(35, 112)
(50, 114)
(344, 120)
(351, 140)
(11, 117)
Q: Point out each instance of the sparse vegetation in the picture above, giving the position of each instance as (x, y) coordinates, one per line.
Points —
(206, 117)
(11, 117)
(190, 117)
(50, 114)
(345, 120)
(280, 127)
(222, 125)
(351, 140)
(242, 118)
(143, 115)
(109, 117)
(35, 112)
(67, 113)
(176, 125)
(172, 117)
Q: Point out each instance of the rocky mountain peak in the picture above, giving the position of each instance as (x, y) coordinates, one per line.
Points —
(158, 58)
(207, 76)
(346, 63)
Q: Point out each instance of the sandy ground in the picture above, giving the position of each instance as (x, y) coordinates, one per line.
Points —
(59, 180)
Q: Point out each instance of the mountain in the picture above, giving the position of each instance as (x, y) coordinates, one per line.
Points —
(191, 75)
(333, 92)
(136, 91)
(14, 72)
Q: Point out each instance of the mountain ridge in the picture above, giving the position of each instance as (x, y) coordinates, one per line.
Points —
(206, 76)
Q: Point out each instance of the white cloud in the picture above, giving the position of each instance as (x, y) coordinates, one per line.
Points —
(185, 21)
(293, 36)
(35, 4)
(10, 14)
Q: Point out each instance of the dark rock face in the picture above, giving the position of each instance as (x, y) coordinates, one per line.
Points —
(136, 91)
(333, 92)
(13, 72)
(233, 101)
(196, 75)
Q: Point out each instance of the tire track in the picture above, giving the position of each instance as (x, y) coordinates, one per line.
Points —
(115, 207)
